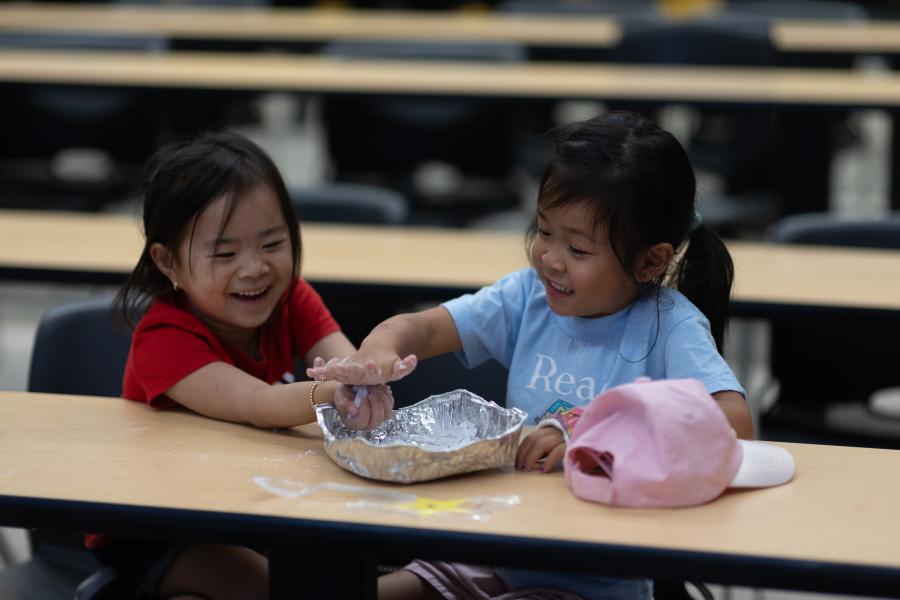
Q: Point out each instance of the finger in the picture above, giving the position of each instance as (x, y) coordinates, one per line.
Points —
(376, 413)
(388, 399)
(320, 369)
(522, 452)
(373, 374)
(363, 415)
(404, 367)
(385, 398)
(343, 402)
(351, 373)
(542, 445)
(554, 457)
(315, 372)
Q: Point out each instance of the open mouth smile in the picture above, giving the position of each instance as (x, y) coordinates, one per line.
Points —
(251, 295)
(559, 289)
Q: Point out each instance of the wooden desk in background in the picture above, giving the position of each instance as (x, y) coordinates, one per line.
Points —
(318, 25)
(442, 263)
(88, 463)
(314, 74)
(309, 24)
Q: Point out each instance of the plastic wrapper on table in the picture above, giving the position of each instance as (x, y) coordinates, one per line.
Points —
(447, 434)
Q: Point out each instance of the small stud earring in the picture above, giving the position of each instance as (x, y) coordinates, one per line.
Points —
(175, 286)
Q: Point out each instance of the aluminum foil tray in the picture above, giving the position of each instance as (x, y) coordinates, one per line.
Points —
(446, 434)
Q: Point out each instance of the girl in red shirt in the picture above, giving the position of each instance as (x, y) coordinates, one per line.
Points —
(225, 314)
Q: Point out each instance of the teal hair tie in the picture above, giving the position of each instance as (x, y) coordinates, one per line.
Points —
(697, 221)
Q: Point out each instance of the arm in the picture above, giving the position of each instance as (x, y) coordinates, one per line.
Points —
(737, 412)
(223, 391)
(333, 345)
(391, 350)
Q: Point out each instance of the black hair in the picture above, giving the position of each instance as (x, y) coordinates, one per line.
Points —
(640, 186)
(178, 183)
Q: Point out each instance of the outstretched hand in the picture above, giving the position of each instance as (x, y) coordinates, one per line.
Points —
(363, 407)
(354, 372)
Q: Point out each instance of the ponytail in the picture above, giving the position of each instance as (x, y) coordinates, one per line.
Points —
(705, 275)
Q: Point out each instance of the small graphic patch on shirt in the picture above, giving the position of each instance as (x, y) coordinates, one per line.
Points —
(558, 407)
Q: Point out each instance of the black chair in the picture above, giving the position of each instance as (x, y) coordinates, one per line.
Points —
(78, 349)
(74, 147)
(809, 137)
(828, 364)
(734, 142)
(439, 152)
(357, 204)
(350, 203)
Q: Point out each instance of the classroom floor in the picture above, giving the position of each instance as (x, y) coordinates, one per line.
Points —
(857, 187)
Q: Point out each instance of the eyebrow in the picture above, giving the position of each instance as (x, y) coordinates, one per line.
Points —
(264, 233)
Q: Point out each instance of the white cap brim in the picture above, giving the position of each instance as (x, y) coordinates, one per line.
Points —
(764, 465)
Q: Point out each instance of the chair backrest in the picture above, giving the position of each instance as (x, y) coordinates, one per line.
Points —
(350, 203)
(50, 118)
(577, 7)
(722, 38)
(735, 142)
(79, 349)
(801, 9)
(393, 135)
(828, 229)
(826, 357)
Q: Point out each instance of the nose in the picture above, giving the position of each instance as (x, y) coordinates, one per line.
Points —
(553, 260)
(254, 265)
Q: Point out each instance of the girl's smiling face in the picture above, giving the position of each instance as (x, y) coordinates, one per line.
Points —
(233, 277)
(580, 272)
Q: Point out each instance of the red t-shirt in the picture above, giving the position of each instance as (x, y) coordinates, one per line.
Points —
(170, 343)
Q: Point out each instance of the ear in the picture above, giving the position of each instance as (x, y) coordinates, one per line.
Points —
(655, 261)
(164, 260)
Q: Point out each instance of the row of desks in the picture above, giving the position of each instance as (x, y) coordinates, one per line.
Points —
(315, 74)
(105, 464)
(441, 263)
(312, 24)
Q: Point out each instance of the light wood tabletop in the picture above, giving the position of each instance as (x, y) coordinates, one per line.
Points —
(104, 247)
(837, 36)
(309, 24)
(313, 74)
(68, 453)
(318, 24)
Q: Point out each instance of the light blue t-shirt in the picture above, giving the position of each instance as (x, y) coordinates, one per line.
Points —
(556, 363)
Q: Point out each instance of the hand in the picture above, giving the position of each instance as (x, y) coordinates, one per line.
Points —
(545, 444)
(363, 407)
(360, 370)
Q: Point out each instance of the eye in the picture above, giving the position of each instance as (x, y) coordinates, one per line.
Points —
(272, 245)
(577, 253)
(223, 255)
(543, 232)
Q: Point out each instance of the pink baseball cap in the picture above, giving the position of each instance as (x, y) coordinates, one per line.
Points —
(664, 444)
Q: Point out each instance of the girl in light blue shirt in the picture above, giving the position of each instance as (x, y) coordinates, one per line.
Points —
(625, 281)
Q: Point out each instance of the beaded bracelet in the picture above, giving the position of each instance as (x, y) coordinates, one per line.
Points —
(312, 393)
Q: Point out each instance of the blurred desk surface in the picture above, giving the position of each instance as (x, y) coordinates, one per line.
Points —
(313, 74)
(308, 24)
(100, 248)
(107, 464)
(317, 24)
(873, 37)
